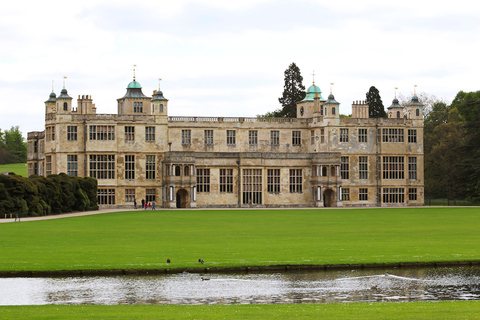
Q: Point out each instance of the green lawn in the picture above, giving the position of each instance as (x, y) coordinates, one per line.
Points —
(145, 239)
(18, 168)
(410, 310)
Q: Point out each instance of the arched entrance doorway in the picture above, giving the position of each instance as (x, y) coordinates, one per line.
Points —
(328, 198)
(182, 198)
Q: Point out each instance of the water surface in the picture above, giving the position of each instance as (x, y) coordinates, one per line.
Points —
(424, 284)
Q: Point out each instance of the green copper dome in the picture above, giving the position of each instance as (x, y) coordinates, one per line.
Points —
(52, 97)
(395, 104)
(134, 85)
(311, 93)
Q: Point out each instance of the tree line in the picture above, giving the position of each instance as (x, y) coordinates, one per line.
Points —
(13, 148)
(452, 148)
(39, 196)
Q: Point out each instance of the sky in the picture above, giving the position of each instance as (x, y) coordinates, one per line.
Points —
(227, 58)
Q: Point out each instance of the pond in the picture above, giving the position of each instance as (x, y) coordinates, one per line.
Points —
(374, 285)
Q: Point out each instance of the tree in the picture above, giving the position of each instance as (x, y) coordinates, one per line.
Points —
(468, 105)
(375, 104)
(293, 92)
(13, 148)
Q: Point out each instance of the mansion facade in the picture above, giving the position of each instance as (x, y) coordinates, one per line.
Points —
(317, 159)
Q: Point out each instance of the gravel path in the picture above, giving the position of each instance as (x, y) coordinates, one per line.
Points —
(64, 215)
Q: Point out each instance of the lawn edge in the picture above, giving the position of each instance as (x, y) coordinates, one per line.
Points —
(242, 269)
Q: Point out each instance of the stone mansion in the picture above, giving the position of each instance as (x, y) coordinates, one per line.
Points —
(318, 159)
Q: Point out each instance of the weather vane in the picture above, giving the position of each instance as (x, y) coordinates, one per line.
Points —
(159, 80)
(331, 86)
(53, 83)
(64, 78)
(396, 88)
(415, 90)
(313, 74)
(134, 66)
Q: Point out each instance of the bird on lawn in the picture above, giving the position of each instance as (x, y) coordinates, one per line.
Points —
(168, 260)
(201, 261)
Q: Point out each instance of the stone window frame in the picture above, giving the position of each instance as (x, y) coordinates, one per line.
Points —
(231, 137)
(208, 137)
(296, 180)
(273, 180)
(226, 180)
(101, 133)
(252, 186)
(186, 137)
(412, 168)
(393, 195)
(72, 165)
(106, 196)
(71, 133)
(343, 134)
(345, 168)
(275, 137)
(150, 195)
(138, 107)
(345, 194)
(392, 135)
(129, 195)
(150, 167)
(412, 194)
(312, 136)
(129, 133)
(393, 167)
(150, 133)
(102, 166)
(296, 138)
(203, 180)
(362, 135)
(48, 165)
(322, 135)
(129, 167)
(363, 167)
(253, 137)
(412, 135)
(362, 194)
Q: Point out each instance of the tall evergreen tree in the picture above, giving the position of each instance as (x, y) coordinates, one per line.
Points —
(293, 92)
(375, 104)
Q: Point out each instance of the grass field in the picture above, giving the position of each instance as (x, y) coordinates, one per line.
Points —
(410, 310)
(145, 239)
(18, 168)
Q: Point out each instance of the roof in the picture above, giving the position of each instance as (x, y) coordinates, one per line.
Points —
(158, 96)
(311, 93)
(395, 104)
(134, 90)
(52, 97)
(63, 94)
(415, 102)
(331, 99)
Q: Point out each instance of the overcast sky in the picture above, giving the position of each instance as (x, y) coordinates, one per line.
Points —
(227, 58)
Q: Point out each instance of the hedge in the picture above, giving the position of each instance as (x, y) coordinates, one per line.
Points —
(39, 196)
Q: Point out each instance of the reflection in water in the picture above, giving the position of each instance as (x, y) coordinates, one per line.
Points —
(426, 284)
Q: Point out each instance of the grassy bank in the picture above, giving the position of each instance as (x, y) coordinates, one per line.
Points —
(18, 168)
(146, 239)
(411, 310)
